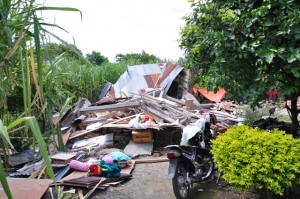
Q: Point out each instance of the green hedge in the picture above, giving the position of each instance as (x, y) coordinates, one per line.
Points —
(267, 160)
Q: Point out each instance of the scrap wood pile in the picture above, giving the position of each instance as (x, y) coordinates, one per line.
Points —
(92, 132)
(95, 128)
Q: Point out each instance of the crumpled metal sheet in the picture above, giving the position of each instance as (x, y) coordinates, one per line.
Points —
(27, 170)
(22, 158)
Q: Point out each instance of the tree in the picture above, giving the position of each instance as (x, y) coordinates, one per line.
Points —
(96, 58)
(140, 58)
(247, 47)
(69, 51)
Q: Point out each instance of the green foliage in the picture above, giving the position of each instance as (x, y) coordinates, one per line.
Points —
(246, 47)
(32, 122)
(21, 69)
(137, 58)
(266, 160)
(96, 58)
(72, 78)
(50, 51)
(4, 182)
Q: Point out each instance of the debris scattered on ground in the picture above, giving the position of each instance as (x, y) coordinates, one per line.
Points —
(149, 105)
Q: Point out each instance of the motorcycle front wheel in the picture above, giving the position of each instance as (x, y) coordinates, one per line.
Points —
(181, 186)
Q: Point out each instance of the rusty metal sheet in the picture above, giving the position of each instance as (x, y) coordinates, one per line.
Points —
(168, 70)
(152, 80)
(24, 188)
(211, 95)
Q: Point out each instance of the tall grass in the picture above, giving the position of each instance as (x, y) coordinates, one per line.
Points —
(20, 68)
(85, 80)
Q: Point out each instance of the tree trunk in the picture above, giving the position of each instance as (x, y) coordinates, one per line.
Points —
(293, 110)
(193, 72)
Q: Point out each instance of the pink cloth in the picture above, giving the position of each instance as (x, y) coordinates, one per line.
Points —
(79, 166)
(108, 158)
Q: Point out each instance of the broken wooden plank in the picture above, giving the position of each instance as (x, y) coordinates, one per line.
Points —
(90, 181)
(109, 107)
(160, 114)
(181, 102)
(107, 125)
(91, 191)
(221, 113)
(81, 133)
(74, 174)
(125, 118)
(152, 160)
(80, 194)
(128, 170)
(160, 100)
(65, 136)
(63, 158)
(126, 126)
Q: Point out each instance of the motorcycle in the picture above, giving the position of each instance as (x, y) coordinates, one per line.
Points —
(191, 161)
(270, 122)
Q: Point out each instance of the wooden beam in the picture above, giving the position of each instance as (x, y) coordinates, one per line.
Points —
(152, 160)
(109, 107)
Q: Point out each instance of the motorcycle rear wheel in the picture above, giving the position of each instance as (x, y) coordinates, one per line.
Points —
(181, 187)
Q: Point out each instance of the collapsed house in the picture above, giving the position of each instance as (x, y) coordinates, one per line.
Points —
(148, 105)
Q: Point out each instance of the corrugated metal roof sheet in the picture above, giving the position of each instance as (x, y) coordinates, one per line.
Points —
(121, 83)
(135, 85)
(146, 77)
(166, 72)
(152, 80)
(169, 77)
(141, 70)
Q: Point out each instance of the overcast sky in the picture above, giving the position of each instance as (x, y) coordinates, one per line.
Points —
(122, 26)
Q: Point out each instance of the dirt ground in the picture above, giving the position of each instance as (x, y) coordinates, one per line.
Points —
(150, 181)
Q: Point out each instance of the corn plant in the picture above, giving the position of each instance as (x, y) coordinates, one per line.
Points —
(21, 34)
(4, 132)
(83, 80)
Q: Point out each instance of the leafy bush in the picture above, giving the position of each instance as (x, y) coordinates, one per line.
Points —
(267, 160)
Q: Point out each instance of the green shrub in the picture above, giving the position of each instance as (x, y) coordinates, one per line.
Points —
(267, 160)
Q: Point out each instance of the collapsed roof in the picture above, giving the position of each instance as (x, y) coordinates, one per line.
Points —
(170, 77)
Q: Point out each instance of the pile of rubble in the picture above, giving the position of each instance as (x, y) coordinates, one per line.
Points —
(149, 105)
